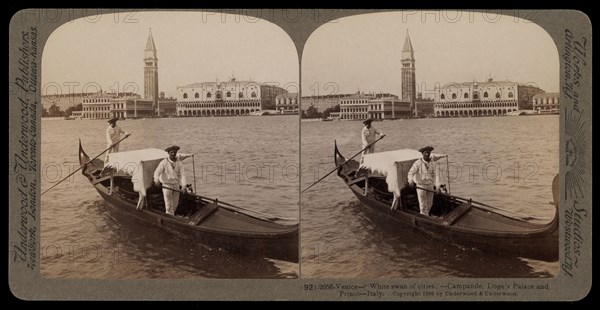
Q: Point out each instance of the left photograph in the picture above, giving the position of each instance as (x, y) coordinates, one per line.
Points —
(169, 148)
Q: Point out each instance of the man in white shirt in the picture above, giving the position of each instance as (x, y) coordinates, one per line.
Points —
(424, 174)
(113, 134)
(369, 134)
(171, 175)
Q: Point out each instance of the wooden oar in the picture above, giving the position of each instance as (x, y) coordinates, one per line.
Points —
(87, 162)
(480, 203)
(347, 160)
(194, 171)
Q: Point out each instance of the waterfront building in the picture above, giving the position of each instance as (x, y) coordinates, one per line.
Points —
(287, 103)
(546, 102)
(166, 106)
(483, 98)
(388, 108)
(355, 107)
(322, 102)
(334, 116)
(76, 114)
(105, 106)
(65, 101)
(226, 98)
(423, 106)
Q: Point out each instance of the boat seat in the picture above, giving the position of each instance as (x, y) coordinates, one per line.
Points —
(356, 180)
(203, 213)
(156, 201)
(456, 214)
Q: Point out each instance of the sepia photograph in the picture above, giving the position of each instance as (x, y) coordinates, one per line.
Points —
(169, 148)
(299, 155)
(430, 148)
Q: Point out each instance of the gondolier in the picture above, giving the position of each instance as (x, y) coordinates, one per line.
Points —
(113, 134)
(369, 134)
(424, 174)
(171, 175)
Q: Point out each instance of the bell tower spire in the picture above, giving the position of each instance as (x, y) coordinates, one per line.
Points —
(409, 85)
(151, 72)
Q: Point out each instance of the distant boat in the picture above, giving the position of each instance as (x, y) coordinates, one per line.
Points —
(534, 112)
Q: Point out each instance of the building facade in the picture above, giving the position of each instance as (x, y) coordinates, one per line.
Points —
(424, 107)
(105, 106)
(132, 108)
(76, 114)
(166, 106)
(388, 108)
(225, 98)
(322, 102)
(546, 102)
(287, 103)
(64, 101)
(488, 98)
(355, 107)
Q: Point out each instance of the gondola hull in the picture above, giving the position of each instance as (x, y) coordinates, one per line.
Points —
(212, 223)
(467, 223)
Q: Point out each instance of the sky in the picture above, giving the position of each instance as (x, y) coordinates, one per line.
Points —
(192, 47)
(353, 53)
(363, 52)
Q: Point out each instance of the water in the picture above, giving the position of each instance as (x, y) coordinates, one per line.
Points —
(506, 162)
(251, 162)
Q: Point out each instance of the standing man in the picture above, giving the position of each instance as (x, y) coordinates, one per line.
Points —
(424, 174)
(113, 134)
(171, 176)
(369, 135)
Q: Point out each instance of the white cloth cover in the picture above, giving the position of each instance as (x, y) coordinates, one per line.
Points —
(394, 165)
(140, 165)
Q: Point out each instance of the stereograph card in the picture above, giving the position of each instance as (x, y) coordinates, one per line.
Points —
(300, 154)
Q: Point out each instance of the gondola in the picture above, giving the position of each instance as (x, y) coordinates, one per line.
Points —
(203, 220)
(452, 219)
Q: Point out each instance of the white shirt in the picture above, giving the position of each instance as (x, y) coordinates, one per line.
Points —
(170, 172)
(424, 173)
(113, 134)
(369, 135)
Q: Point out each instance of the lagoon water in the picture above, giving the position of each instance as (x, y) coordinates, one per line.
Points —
(251, 162)
(507, 162)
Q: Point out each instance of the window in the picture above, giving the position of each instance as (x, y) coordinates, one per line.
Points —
(184, 95)
(510, 95)
(240, 95)
(197, 95)
(228, 94)
(218, 95)
(253, 95)
(497, 95)
(208, 95)
(454, 96)
(442, 97)
(485, 95)
(466, 95)
(475, 96)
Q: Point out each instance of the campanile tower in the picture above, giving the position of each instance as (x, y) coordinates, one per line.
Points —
(409, 85)
(151, 72)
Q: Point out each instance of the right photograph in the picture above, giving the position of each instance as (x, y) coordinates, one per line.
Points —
(430, 147)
